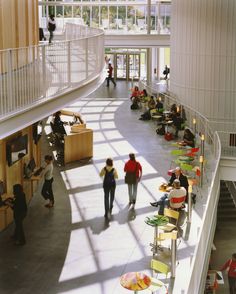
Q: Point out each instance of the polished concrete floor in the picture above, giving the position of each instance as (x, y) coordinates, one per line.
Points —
(72, 248)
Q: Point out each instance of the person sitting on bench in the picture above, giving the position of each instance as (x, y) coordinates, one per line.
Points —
(175, 199)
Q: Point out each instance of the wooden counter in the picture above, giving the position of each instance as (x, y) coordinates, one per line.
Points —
(78, 145)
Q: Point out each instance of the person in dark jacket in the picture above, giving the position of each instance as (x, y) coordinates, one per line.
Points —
(51, 27)
(177, 174)
(109, 185)
(19, 206)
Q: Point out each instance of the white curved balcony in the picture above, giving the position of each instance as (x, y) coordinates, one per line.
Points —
(202, 227)
(33, 76)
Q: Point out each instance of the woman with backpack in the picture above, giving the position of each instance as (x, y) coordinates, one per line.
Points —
(109, 175)
(51, 27)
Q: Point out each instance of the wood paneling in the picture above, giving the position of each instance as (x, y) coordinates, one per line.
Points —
(14, 174)
(18, 26)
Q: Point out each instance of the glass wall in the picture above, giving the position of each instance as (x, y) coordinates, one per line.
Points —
(112, 18)
(129, 64)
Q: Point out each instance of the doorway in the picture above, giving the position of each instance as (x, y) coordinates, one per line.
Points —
(127, 66)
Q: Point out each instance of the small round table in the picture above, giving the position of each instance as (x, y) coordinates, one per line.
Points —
(135, 281)
(186, 158)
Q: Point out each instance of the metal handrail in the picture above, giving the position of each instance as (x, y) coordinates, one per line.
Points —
(196, 277)
(33, 75)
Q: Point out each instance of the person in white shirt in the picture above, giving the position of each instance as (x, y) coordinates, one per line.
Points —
(175, 199)
(177, 195)
(47, 192)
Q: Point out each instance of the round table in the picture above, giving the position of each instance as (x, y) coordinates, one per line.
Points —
(135, 281)
(186, 158)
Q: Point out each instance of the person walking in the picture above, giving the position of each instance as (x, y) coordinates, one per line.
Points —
(51, 27)
(110, 71)
(109, 185)
(47, 192)
(133, 170)
(19, 206)
(230, 266)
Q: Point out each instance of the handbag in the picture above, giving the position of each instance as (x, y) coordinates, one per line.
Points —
(130, 177)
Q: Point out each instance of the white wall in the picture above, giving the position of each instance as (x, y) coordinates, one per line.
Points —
(203, 55)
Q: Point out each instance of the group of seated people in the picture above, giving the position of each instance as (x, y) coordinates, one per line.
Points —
(178, 183)
(178, 193)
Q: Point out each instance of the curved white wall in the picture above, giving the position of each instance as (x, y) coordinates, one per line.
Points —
(203, 56)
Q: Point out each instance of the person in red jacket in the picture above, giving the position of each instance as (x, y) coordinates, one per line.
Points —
(231, 266)
(110, 78)
(132, 168)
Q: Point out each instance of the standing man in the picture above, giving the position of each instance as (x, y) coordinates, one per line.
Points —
(51, 27)
(110, 71)
(47, 192)
(133, 170)
(19, 206)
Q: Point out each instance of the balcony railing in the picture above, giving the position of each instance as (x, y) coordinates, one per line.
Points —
(114, 17)
(196, 277)
(33, 75)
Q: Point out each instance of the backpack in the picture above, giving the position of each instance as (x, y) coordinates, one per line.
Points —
(160, 131)
(51, 26)
(168, 136)
(109, 179)
(134, 105)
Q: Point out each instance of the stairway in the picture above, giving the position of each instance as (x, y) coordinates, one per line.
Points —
(226, 207)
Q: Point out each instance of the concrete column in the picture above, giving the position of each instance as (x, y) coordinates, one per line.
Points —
(149, 66)
(203, 56)
(148, 16)
(155, 63)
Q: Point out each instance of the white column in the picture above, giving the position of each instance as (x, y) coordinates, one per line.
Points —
(149, 66)
(203, 56)
(148, 16)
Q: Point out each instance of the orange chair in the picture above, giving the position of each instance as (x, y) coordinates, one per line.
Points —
(192, 152)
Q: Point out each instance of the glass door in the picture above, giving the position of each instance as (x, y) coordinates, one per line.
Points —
(134, 66)
(121, 66)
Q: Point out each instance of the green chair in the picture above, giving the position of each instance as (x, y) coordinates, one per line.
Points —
(186, 167)
(160, 267)
(156, 285)
(177, 152)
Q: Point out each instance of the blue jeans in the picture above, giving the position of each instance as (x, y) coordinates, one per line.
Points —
(132, 189)
(164, 201)
(109, 195)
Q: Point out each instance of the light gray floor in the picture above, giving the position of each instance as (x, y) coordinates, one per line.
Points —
(71, 248)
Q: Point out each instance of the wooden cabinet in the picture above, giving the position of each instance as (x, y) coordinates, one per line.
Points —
(78, 145)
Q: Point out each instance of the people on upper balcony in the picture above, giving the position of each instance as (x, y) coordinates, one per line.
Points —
(51, 27)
